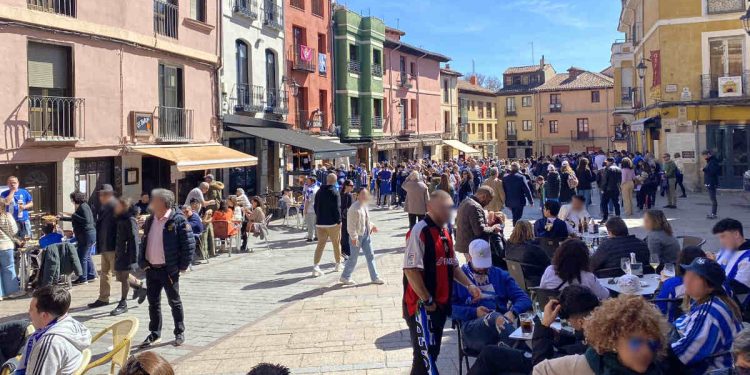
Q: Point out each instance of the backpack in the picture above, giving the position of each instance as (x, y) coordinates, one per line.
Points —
(572, 181)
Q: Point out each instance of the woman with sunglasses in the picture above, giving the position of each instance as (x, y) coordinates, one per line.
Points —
(626, 335)
(713, 319)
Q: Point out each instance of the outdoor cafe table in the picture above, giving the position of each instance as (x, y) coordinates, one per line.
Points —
(649, 285)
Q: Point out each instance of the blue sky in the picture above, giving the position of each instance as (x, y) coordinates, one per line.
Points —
(497, 34)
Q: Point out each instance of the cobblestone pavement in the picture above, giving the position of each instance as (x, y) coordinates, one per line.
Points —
(265, 306)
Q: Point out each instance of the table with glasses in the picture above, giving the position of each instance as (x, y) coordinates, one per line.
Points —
(649, 284)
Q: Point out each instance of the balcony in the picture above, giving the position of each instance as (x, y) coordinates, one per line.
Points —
(304, 58)
(582, 135)
(626, 96)
(276, 102)
(173, 124)
(166, 18)
(355, 122)
(249, 99)
(622, 46)
(377, 122)
(354, 66)
(724, 6)
(377, 70)
(511, 135)
(61, 7)
(403, 81)
(555, 107)
(409, 128)
(272, 16)
(510, 112)
(719, 86)
(56, 119)
(246, 8)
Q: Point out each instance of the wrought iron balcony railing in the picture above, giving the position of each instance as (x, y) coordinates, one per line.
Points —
(377, 70)
(55, 118)
(166, 18)
(246, 8)
(555, 107)
(304, 58)
(277, 102)
(510, 111)
(355, 122)
(174, 124)
(511, 135)
(272, 15)
(377, 122)
(249, 98)
(354, 66)
(61, 7)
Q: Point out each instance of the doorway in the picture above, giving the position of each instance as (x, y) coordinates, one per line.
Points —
(731, 145)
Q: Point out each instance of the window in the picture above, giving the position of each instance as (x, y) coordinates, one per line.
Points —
(354, 107)
(446, 121)
(446, 93)
(583, 128)
(527, 125)
(534, 79)
(553, 126)
(473, 128)
(298, 4)
(376, 57)
(595, 96)
(377, 105)
(413, 108)
(517, 80)
(198, 10)
(49, 71)
(508, 80)
(489, 131)
(322, 44)
(481, 128)
(243, 76)
(172, 121)
(489, 110)
(510, 128)
(353, 53)
(526, 101)
(525, 80)
(554, 98)
(166, 17)
(413, 68)
(510, 105)
(402, 64)
(554, 103)
(480, 113)
(471, 105)
(52, 110)
(271, 81)
(317, 8)
(726, 57)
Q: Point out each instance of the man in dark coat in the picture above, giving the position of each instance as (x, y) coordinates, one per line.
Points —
(609, 184)
(166, 248)
(328, 222)
(516, 192)
(711, 179)
(619, 245)
(106, 237)
(126, 256)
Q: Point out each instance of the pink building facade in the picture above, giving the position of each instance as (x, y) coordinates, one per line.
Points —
(413, 126)
(98, 94)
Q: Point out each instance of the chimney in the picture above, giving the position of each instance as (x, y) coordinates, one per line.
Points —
(574, 72)
(473, 80)
(541, 62)
(448, 66)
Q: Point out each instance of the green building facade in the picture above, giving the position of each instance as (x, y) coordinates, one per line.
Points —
(358, 53)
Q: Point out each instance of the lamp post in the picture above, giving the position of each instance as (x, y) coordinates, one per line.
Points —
(746, 21)
(641, 68)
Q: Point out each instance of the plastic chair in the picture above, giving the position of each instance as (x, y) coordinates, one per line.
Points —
(686, 241)
(223, 234)
(122, 336)
(86, 353)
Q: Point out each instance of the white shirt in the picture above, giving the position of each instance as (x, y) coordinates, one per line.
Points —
(550, 280)
(572, 218)
(196, 194)
(599, 161)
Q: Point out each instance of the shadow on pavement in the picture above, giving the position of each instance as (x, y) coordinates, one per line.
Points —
(276, 283)
(393, 341)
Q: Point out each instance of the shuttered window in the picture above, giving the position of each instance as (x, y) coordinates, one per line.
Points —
(48, 66)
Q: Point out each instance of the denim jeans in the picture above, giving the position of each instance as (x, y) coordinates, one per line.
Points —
(365, 244)
(83, 248)
(481, 332)
(24, 228)
(586, 193)
(8, 280)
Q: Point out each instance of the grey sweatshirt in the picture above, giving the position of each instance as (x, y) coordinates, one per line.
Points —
(58, 351)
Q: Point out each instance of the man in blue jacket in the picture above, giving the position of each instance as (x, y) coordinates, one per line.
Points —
(166, 248)
(550, 226)
(487, 321)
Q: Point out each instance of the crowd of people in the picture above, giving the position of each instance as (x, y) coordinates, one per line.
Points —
(453, 206)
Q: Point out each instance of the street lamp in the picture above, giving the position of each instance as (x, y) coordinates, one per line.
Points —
(641, 68)
(746, 21)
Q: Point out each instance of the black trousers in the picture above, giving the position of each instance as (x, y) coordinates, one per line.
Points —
(156, 280)
(610, 196)
(517, 213)
(494, 360)
(712, 195)
(437, 318)
(413, 219)
(346, 246)
(679, 182)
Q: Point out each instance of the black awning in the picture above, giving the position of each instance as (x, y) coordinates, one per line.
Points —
(320, 147)
(649, 122)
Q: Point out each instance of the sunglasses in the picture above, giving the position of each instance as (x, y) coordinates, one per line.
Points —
(636, 343)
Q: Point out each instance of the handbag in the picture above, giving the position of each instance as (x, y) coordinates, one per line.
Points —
(16, 241)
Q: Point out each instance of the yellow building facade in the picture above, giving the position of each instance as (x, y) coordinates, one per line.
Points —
(517, 135)
(686, 64)
(480, 117)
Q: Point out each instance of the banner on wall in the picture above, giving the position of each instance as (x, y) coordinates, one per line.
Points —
(656, 64)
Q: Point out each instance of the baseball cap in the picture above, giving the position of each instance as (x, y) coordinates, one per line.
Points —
(481, 256)
(709, 270)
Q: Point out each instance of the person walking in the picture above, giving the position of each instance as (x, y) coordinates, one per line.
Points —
(430, 268)
(495, 183)
(416, 198)
(711, 180)
(679, 176)
(106, 242)
(84, 230)
(9, 285)
(360, 228)
(126, 255)
(166, 248)
(611, 178)
(627, 185)
(552, 185)
(670, 173)
(18, 201)
(517, 192)
(346, 202)
(309, 207)
(585, 178)
(328, 223)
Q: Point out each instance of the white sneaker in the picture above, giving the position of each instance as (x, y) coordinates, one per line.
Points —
(317, 272)
(337, 268)
(378, 282)
(347, 281)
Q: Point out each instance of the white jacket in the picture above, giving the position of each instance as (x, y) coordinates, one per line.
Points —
(355, 220)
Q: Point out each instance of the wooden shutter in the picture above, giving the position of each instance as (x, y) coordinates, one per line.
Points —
(48, 66)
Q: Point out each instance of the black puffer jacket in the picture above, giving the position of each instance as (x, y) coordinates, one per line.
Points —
(128, 244)
(552, 185)
(106, 227)
(327, 206)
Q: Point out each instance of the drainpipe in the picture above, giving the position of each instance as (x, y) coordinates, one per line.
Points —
(329, 70)
(217, 81)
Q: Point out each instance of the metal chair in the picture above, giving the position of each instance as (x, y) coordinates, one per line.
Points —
(686, 241)
(123, 332)
(517, 271)
(542, 296)
(223, 234)
(464, 353)
(550, 245)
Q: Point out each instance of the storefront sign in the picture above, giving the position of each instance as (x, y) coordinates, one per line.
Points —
(385, 146)
(405, 145)
(656, 64)
(431, 142)
(143, 124)
(730, 86)
(670, 88)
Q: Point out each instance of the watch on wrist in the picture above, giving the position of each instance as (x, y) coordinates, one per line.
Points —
(429, 301)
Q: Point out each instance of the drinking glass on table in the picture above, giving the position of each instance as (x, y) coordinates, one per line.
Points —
(668, 271)
(654, 261)
(636, 269)
(527, 323)
(625, 264)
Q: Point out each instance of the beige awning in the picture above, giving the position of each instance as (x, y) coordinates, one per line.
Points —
(460, 146)
(199, 157)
